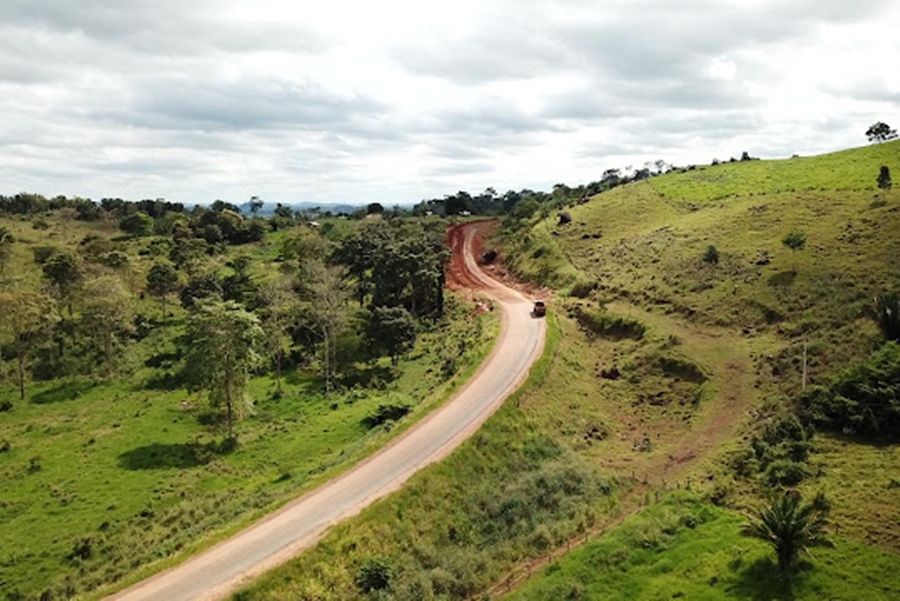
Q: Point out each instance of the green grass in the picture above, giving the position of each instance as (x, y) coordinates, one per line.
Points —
(128, 466)
(686, 548)
(848, 170)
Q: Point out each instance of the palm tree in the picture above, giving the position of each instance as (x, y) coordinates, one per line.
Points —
(790, 527)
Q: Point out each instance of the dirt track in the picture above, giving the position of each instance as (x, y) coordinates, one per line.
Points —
(287, 532)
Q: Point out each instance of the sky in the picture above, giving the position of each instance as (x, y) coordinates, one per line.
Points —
(395, 101)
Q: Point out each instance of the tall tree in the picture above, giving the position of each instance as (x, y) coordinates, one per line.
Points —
(790, 526)
(27, 317)
(107, 314)
(391, 331)
(223, 341)
(63, 272)
(329, 293)
(163, 280)
(278, 317)
(256, 204)
(880, 132)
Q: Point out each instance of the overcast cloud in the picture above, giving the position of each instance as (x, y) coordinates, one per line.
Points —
(395, 101)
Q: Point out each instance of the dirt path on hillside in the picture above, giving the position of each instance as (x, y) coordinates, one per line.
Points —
(297, 526)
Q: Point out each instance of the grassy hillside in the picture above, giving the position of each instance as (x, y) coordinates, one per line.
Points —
(685, 548)
(105, 479)
(637, 252)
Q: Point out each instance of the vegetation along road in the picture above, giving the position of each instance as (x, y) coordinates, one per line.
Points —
(285, 533)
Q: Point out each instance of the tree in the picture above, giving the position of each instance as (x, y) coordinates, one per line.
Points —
(880, 132)
(64, 275)
(107, 314)
(161, 282)
(884, 178)
(137, 224)
(28, 318)
(329, 293)
(222, 340)
(374, 208)
(711, 255)
(390, 330)
(278, 317)
(790, 527)
(795, 241)
(256, 204)
(6, 245)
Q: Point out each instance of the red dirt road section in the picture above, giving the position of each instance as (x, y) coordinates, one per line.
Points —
(298, 525)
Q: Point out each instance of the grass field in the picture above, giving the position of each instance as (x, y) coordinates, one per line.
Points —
(107, 481)
(685, 548)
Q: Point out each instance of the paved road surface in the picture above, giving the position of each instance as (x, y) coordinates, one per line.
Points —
(285, 533)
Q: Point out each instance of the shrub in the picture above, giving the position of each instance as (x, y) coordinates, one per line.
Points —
(605, 325)
(5, 406)
(884, 178)
(583, 288)
(374, 575)
(711, 255)
(785, 472)
(390, 412)
(887, 314)
(42, 254)
(861, 400)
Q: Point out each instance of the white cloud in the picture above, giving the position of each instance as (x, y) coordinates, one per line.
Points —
(400, 100)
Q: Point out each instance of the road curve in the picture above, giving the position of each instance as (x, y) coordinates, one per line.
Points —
(285, 533)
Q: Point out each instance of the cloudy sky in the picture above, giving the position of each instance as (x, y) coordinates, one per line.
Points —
(395, 101)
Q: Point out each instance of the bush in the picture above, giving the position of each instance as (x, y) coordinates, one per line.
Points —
(583, 288)
(605, 325)
(884, 178)
(5, 406)
(711, 255)
(785, 472)
(386, 413)
(887, 314)
(863, 400)
(374, 575)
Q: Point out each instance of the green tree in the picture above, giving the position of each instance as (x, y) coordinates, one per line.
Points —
(880, 132)
(391, 331)
(137, 224)
(163, 280)
(790, 527)
(328, 291)
(222, 342)
(6, 245)
(107, 314)
(256, 204)
(795, 241)
(278, 316)
(63, 273)
(27, 317)
(884, 178)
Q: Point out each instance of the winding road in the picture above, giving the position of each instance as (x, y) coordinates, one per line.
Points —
(285, 533)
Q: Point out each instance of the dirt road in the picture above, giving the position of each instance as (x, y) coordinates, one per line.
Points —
(285, 533)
